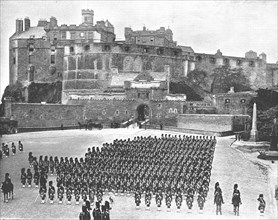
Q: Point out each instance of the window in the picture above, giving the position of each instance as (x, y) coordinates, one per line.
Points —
(147, 95)
(71, 49)
(159, 105)
(86, 19)
(72, 35)
(117, 112)
(55, 38)
(52, 59)
(126, 112)
(243, 101)
(226, 61)
(126, 49)
(212, 60)
(159, 51)
(199, 58)
(251, 63)
(138, 95)
(14, 60)
(227, 101)
(31, 47)
(64, 35)
(82, 34)
(87, 47)
(175, 110)
(107, 48)
(170, 110)
(239, 62)
(146, 50)
(176, 53)
(52, 48)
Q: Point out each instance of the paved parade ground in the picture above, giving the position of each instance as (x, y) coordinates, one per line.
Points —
(229, 166)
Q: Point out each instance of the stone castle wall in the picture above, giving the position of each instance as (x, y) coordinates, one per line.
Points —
(255, 70)
(46, 115)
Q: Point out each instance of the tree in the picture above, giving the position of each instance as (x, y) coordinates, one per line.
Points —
(267, 110)
(199, 78)
(224, 77)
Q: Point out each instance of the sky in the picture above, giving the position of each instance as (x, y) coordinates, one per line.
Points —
(234, 27)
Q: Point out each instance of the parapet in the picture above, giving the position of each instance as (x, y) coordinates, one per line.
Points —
(87, 11)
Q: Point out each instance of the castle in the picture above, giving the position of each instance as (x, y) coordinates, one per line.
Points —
(117, 80)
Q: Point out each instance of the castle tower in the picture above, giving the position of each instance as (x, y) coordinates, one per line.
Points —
(88, 17)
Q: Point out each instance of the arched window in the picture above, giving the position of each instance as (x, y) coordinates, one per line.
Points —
(170, 110)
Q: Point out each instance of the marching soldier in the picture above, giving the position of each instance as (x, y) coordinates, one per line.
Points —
(51, 192)
(60, 194)
(148, 197)
(158, 199)
(201, 199)
(178, 200)
(168, 199)
(13, 149)
(23, 177)
(42, 192)
(137, 198)
(69, 195)
(29, 177)
(189, 199)
(20, 146)
(97, 212)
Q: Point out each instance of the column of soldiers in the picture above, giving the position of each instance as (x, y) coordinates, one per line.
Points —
(171, 167)
(5, 150)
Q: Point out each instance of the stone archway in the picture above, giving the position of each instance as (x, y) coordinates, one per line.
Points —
(143, 112)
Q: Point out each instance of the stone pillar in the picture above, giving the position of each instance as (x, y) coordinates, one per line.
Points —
(185, 63)
(254, 131)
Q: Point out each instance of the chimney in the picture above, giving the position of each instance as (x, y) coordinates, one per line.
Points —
(53, 22)
(19, 25)
(27, 23)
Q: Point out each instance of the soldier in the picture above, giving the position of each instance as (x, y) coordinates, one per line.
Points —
(97, 212)
(23, 177)
(148, 197)
(99, 195)
(137, 198)
(77, 195)
(262, 204)
(20, 146)
(29, 177)
(69, 195)
(158, 199)
(51, 165)
(189, 199)
(60, 194)
(42, 192)
(13, 149)
(179, 200)
(236, 200)
(30, 159)
(201, 199)
(168, 199)
(218, 198)
(51, 192)
(7, 150)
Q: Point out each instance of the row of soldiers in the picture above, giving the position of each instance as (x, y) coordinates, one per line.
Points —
(5, 150)
(170, 165)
